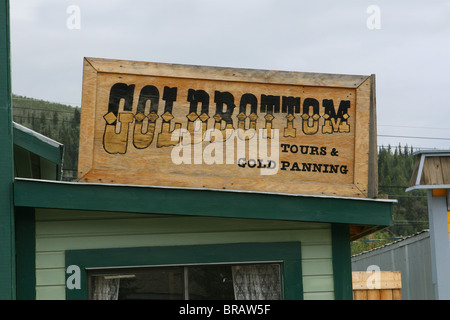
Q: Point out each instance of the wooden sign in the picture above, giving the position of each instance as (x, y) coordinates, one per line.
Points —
(157, 124)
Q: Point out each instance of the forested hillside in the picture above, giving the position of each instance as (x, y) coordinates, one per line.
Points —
(57, 121)
(395, 165)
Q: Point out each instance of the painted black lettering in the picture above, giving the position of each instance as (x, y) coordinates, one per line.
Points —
(241, 162)
(165, 136)
(195, 97)
(251, 163)
(284, 165)
(336, 121)
(310, 122)
(314, 150)
(304, 149)
(344, 169)
(270, 104)
(295, 167)
(120, 91)
(306, 167)
(290, 105)
(114, 142)
(143, 137)
(311, 103)
(248, 99)
(260, 164)
(148, 93)
(285, 147)
(328, 104)
(169, 96)
(294, 148)
(334, 168)
(270, 162)
(221, 99)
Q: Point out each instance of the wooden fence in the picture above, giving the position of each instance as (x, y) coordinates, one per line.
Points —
(380, 285)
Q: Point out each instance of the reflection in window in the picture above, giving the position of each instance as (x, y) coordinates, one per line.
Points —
(198, 282)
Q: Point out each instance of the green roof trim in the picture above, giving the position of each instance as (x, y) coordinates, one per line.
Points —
(38, 144)
(201, 202)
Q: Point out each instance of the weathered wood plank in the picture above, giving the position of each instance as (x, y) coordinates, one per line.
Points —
(445, 165)
(362, 132)
(86, 147)
(432, 171)
(376, 280)
(396, 294)
(228, 74)
(386, 294)
(373, 144)
(360, 295)
(373, 294)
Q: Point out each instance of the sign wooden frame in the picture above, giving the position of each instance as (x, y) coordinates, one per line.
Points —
(357, 145)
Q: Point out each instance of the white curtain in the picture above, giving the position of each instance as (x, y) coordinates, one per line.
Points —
(106, 289)
(257, 282)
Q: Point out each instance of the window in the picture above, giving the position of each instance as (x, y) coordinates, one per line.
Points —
(198, 267)
(261, 281)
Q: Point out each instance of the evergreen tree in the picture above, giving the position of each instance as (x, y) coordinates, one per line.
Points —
(395, 168)
(56, 121)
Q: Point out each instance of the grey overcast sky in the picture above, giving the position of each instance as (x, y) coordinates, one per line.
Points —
(405, 43)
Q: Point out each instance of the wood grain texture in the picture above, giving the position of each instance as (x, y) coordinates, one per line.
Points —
(85, 154)
(323, 150)
(445, 166)
(385, 285)
(362, 143)
(376, 280)
(227, 74)
(373, 143)
(433, 173)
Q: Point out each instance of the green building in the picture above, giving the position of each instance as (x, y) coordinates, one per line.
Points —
(75, 240)
(67, 234)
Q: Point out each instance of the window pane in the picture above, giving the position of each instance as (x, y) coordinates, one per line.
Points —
(105, 288)
(211, 282)
(144, 284)
(153, 284)
(257, 282)
(202, 282)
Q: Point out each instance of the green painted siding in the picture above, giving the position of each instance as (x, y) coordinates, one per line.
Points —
(57, 231)
(7, 263)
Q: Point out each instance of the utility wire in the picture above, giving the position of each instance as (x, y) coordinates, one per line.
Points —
(410, 137)
(411, 127)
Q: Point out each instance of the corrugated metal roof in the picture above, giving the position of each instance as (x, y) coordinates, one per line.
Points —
(393, 243)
